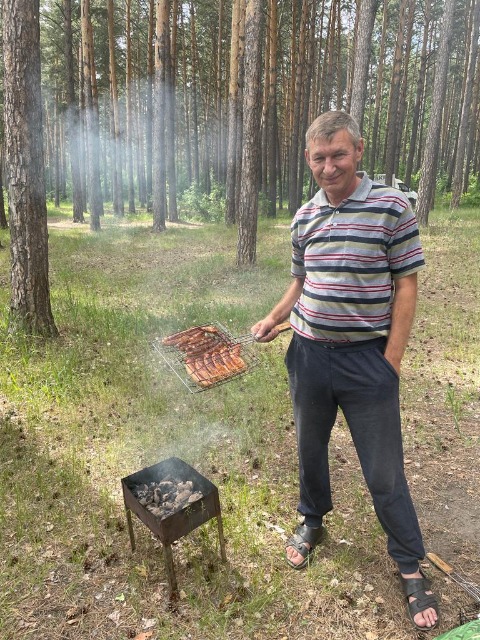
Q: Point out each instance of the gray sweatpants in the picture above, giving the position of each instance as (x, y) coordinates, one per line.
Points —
(357, 378)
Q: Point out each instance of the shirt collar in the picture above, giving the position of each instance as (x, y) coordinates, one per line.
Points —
(360, 194)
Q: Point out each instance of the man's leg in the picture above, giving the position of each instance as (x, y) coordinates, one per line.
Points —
(368, 394)
(314, 413)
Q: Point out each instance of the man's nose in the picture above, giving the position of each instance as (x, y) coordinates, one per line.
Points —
(329, 166)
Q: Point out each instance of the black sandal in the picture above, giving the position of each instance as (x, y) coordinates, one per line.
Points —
(302, 535)
(418, 587)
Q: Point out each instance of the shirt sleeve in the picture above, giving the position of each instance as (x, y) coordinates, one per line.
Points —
(405, 253)
(298, 253)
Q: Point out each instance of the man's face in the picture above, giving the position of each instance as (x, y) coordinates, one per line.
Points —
(334, 164)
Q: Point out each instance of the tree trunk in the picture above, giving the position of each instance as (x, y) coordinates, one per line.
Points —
(392, 131)
(310, 54)
(378, 93)
(472, 139)
(194, 97)
(328, 66)
(297, 146)
(149, 102)
(56, 148)
(426, 190)
(129, 105)
(91, 115)
(366, 19)
(30, 308)
(272, 122)
(170, 71)
(3, 217)
(159, 168)
(219, 160)
(419, 94)
(233, 113)
(403, 101)
(83, 147)
(186, 108)
(117, 179)
(248, 208)
(458, 176)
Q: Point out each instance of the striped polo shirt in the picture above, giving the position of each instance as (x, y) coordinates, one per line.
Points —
(350, 256)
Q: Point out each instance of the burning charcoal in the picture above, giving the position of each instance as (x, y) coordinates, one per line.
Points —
(167, 497)
(195, 496)
(167, 486)
(183, 496)
(185, 486)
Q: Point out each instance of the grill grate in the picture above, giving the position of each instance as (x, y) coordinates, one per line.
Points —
(180, 362)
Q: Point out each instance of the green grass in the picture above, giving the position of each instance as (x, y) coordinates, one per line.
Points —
(82, 411)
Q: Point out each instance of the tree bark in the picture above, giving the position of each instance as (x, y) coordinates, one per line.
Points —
(366, 20)
(426, 189)
(170, 70)
(378, 93)
(91, 117)
(297, 146)
(30, 308)
(458, 176)
(149, 102)
(159, 169)
(233, 113)
(3, 216)
(392, 131)
(419, 93)
(194, 96)
(129, 105)
(272, 122)
(117, 178)
(248, 207)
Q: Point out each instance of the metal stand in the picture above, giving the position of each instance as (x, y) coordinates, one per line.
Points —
(168, 554)
(173, 527)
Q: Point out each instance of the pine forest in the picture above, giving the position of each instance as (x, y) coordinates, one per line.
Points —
(174, 106)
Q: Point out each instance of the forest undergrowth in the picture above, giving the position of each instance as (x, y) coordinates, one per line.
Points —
(80, 412)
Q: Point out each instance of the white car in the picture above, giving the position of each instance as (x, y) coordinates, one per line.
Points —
(399, 184)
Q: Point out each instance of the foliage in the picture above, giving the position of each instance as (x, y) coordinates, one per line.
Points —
(471, 198)
(196, 205)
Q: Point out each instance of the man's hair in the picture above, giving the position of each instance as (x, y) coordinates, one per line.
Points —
(329, 123)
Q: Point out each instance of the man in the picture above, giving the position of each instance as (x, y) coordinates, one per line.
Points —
(355, 258)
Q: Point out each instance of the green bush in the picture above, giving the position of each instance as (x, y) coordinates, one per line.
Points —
(196, 205)
(472, 197)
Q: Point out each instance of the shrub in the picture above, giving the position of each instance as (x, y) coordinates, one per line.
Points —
(194, 204)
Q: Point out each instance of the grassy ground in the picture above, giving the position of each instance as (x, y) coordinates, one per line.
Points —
(79, 413)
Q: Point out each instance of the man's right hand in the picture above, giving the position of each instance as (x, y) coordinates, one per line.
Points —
(264, 331)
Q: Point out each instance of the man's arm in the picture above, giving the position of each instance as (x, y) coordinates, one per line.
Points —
(403, 313)
(264, 329)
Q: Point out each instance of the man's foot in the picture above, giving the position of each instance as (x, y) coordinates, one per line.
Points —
(422, 604)
(301, 545)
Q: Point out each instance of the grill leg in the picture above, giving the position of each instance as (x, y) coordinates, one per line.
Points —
(130, 528)
(221, 538)
(172, 579)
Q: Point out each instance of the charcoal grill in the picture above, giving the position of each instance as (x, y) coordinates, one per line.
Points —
(171, 528)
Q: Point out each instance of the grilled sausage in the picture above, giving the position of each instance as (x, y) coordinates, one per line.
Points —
(182, 337)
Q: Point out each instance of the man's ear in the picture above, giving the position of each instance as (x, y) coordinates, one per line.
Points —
(360, 148)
